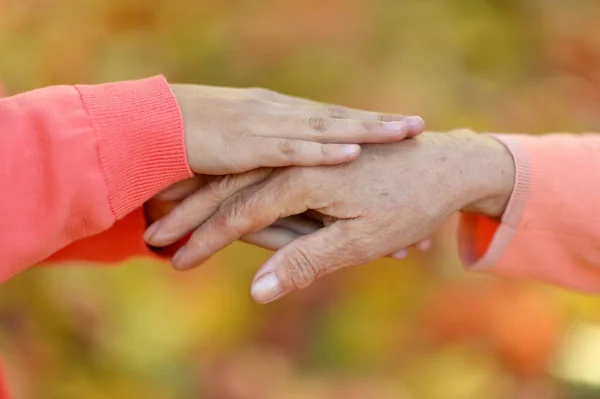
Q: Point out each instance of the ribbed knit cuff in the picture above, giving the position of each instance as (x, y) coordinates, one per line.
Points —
(141, 144)
(520, 194)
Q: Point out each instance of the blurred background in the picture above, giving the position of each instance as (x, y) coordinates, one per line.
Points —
(420, 328)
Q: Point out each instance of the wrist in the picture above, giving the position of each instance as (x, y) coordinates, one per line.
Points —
(486, 173)
(140, 139)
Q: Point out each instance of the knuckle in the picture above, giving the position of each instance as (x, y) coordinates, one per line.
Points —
(302, 269)
(323, 151)
(319, 124)
(241, 214)
(335, 111)
(367, 126)
(227, 225)
(215, 190)
(220, 219)
(230, 215)
(226, 185)
(289, 148)
(389, 117)
(221, 222)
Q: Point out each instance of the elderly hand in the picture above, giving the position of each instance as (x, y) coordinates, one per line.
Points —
(393, 196)
(288, 229)
(198, 197)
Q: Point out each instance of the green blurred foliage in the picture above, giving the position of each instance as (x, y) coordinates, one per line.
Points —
(421, 328)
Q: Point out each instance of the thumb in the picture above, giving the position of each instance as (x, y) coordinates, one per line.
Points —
(304, 260)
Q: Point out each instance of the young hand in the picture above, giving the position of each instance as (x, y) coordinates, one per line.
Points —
(231, 130)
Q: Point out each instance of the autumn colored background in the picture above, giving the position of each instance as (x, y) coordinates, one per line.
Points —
(420, 328)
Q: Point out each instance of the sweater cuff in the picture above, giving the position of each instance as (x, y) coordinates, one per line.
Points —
(484, 241)
(141, 144)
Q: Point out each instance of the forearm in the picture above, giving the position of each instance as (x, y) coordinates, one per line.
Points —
(77, 159)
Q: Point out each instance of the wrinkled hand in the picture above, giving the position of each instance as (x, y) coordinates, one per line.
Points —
(393, 196)
(198, 197)
(277, 235)
(288, 229)
(230, 130)
(164, 202)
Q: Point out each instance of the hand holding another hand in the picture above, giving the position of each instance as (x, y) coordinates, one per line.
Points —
(232, 130)
(390, 198)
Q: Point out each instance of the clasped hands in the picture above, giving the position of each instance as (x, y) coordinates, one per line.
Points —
(288, 174)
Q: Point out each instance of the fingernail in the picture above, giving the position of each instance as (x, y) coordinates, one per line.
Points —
(414, 124)
(424, 245)
(177, 257)
(350, 149)
(266, 288)
(403, 253)
(151, 231)
(395, 126)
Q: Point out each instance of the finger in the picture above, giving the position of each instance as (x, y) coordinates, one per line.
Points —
(277, 152)
(412, 124)
(286, 230)
(180, 190)
(300, 263)
(309, 222)
(424, 245)
(327, 130)
(271, 238)
(299, 224)
(274, 238)
(197, 207)
(248, 211)
(282, 232)
(402, 254)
